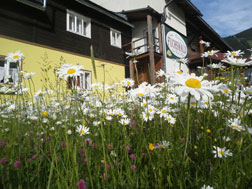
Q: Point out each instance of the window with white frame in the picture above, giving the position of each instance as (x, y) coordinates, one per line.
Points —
(78, 24)
(8, 72)
(83, 81)
(115, 38)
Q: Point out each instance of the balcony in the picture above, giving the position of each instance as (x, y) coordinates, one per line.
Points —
(140, 46)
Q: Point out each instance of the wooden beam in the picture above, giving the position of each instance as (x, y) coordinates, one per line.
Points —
(160, 44)
(151, 50)
(160, 38)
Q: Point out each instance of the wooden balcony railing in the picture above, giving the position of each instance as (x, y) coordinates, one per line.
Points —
(141, 46)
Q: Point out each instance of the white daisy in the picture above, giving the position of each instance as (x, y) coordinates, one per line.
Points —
(14, 57)
(125, 121)
(82, 130)
(147, 117)
(209, 53)
(234, 53)
(162, 145)
(235, 124)
(39, 94)
(127, 82)
(236, 61)
(163, 112)
(221, 152)
(207, 44)
(171, 119)
(69, 70)
(206, 187)
(216, 66)
(191, 84)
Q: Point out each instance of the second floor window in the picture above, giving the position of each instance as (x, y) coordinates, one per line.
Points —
(115, 38)
(78, 24)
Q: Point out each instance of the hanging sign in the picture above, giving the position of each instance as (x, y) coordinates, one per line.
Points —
(176, 44)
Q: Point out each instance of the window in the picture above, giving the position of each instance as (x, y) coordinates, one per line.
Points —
(78, 24)
(83, 81)
(115, 38)
(8, 72)
(39, 4)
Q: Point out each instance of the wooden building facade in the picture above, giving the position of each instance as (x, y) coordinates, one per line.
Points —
(65, 28)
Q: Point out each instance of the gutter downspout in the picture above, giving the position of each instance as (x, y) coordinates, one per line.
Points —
(163, 19)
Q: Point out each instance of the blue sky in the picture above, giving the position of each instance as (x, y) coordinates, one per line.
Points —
(226, 17)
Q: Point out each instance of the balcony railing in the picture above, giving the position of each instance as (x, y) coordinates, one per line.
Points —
(141, 46)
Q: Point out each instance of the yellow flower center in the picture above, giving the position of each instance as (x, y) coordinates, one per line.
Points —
(162, 146)
(128, 83)
(150, 110)
(221, 152)
(71, 71)
(169, 119)
(45, 114)
(206, 102)
(163, 111)
(144, 104)
(82, 132)
(193, 83)
(146, 115)
(179, 72)
(15, 57)
(120, 114)
(249, 92)
(193, 103)
(172, 98)
(233, 53)
(9, 91)
(210, 53)
(235, 127)
(225, 91)
(140, 94)
(40, 94)
(151, 146)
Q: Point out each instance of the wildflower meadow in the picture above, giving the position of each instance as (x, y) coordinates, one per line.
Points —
(187, 132)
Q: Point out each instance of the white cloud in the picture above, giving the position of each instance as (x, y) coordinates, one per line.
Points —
(227, 17)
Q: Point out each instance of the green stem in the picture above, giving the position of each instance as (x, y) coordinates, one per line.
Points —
(188, 124)
(136, 73)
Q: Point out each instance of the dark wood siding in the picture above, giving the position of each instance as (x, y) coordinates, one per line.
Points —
(49, 28)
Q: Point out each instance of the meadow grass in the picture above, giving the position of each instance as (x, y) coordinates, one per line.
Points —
(146, 137)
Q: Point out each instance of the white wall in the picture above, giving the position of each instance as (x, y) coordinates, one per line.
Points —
(119, 5)
(175, 19)
(139, 32)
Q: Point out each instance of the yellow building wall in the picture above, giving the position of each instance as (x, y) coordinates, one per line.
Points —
(33, 62)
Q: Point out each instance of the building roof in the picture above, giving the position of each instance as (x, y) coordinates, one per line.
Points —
(188, 7)
(207, 31)
(104, 11)
(141, 14)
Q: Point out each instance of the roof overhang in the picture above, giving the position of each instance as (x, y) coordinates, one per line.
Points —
(141, 14)
(104, 11)
(188, 7)
(205, 28)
